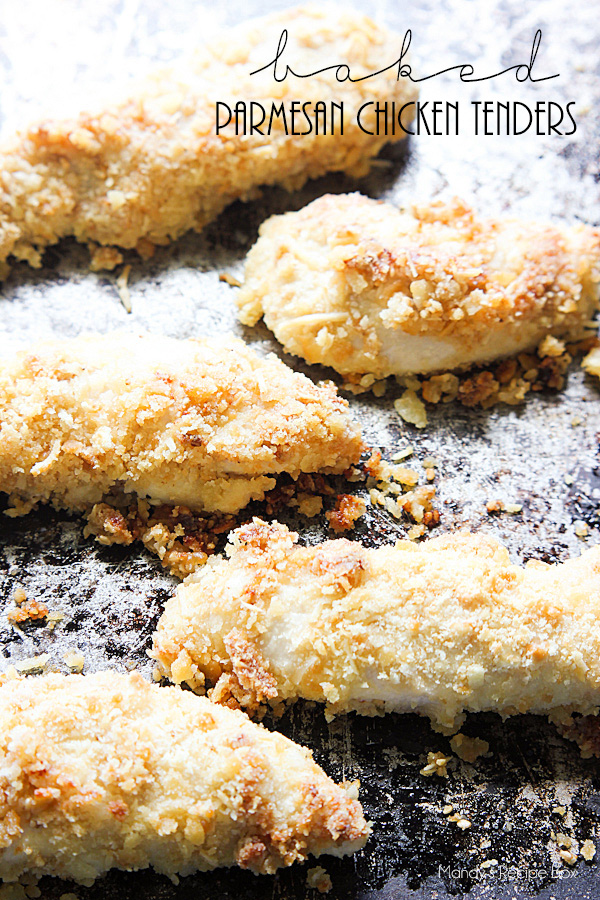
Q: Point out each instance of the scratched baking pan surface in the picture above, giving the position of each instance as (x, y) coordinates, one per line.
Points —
(58, 56)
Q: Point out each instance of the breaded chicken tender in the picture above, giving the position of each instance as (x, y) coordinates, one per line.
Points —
(106, 771)
(208, 424)
(364, 287)
(145, 170)
(438, 628)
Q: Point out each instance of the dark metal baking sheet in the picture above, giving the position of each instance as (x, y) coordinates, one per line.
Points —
(60, 55)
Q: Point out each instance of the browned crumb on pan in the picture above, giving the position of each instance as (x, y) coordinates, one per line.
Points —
(318, 879)
(395, 488)
(104, 258)
(231, 280)
(182, 539)
(26, 610)
(345, 513)
(584, 731)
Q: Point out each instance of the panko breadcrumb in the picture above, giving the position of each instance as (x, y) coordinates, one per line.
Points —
(206, 424)
(143, 171)
(364, 287)
(439, 628)
(107, 770)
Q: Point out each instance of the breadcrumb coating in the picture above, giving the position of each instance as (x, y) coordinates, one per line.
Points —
(364, 287)
(205, 424)
(106, 770)
(145, 170)
(439, 628)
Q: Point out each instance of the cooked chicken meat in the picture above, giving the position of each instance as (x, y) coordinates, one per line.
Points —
(106, 771)
(143, 171)
(439, 628)
(208, 424)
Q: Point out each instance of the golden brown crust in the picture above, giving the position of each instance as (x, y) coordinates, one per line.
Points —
(363, 287)
(204, 424)
(440, 627)
(148, 169)
(108, 771)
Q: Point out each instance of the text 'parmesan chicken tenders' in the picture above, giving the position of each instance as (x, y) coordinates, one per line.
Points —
(208, 424)
(146, 170)
(438, 628)
(106, 771)
(364, 287)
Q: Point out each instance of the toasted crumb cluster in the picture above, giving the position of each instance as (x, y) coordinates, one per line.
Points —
(183, 539)
(144, 171)
(395, 488)
(26, 610)
(361, 286)
(106, 771)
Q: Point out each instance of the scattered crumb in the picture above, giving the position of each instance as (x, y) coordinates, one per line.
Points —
(563, 840)
(396, 489)
(32, 664)
(310, 505)
(404, 453)
(318, 878)
(53, 619)
(560, 810)
(584, 731)
(447, 809)
(568, 856)
(347, 510)
(410, 408)
(591, 363)
(588, 850)
(145, 249)
(436, 765)
(581, 529)
(229, 279)
(569, 479)
(123, 288)
(12, 892)
(467, 748)
(74, 660)
(104, 258)
(181, 539)
(551, 346)
(461, 821)
(495, 507)
(26, 610)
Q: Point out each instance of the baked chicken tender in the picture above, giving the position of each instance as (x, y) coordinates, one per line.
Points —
(438, 628)
(359, 285)
(106, 771)
(147, 169)
(207, 424)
